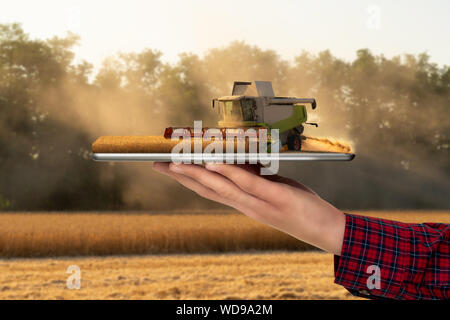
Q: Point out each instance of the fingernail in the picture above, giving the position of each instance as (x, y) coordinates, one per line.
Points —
(211, 166)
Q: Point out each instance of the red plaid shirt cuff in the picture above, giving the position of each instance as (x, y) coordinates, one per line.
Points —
(383, 259)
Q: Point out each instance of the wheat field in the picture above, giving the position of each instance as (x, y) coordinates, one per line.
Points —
(276, 275)
(162, 256)
(72, 234)
(100, 234)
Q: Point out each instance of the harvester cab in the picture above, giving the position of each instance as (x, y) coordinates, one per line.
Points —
(254, 105)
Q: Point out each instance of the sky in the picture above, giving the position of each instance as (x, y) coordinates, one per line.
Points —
(287, 26)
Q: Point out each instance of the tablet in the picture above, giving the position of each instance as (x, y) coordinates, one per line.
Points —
(223, 157)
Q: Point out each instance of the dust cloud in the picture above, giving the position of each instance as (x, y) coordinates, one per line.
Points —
(179, 102)
(325, 145)
(373, 105)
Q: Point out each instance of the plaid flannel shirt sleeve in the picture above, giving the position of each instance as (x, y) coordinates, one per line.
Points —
(383, 259)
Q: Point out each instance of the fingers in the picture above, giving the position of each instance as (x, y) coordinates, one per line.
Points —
(290, 182)
(220, 184)
(210, 185)
(217, 187)
(249, 182)
(162, 167)
(255, 169)
(252, 168)
(191, 184)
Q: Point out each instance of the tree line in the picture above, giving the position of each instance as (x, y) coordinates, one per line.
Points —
(394, 111)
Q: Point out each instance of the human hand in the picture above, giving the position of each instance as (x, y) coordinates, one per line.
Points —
(282, 203)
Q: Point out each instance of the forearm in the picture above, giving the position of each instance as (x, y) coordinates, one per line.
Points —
(319, 224)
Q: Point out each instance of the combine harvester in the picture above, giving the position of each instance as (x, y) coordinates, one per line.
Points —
(252, 105)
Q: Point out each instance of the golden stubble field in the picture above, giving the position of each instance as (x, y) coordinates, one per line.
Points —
(186, 256)
(302, 275)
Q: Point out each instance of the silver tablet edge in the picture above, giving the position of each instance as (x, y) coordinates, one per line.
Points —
(232, 157)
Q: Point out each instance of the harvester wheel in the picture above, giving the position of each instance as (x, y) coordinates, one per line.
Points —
(294, 143)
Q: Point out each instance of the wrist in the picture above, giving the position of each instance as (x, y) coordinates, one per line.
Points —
(322, 226)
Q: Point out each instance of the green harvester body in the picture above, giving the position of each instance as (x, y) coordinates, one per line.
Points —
(254, 105)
